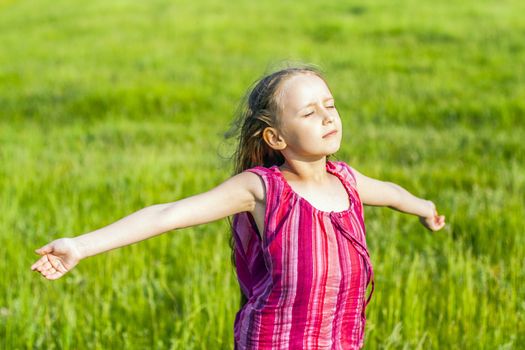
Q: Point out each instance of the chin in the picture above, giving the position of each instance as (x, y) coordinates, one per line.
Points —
(332, 151)
(336, 147)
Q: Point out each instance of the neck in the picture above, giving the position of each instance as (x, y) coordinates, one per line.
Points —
(305, 171)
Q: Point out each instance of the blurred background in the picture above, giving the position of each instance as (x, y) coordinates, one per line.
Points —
(110, 106)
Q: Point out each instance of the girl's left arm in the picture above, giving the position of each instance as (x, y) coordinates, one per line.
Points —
(389, 194)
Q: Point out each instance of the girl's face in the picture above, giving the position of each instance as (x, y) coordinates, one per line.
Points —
(308, 118)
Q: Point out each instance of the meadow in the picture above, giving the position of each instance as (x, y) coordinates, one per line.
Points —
(107, 107)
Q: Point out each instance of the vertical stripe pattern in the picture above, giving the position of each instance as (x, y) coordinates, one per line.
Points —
(306, 280)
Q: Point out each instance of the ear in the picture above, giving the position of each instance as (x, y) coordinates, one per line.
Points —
(273, 138)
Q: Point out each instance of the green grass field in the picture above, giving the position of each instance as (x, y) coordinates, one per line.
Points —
(110, 106)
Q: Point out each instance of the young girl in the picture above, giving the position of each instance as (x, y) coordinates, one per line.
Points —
(298, 229)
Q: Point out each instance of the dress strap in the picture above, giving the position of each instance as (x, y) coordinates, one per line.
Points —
(347, 173)
(345, 170)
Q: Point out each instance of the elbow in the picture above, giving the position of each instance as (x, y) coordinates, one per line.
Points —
(163, 216)
(395, 197)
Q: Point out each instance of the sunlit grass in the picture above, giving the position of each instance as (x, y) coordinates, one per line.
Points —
(112, 106)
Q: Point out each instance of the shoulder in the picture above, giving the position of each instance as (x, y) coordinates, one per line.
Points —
(252, 180)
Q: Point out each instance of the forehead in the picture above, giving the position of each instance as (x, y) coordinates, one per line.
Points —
(302, 89)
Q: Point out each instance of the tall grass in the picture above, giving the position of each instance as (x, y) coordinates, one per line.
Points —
(107, 107)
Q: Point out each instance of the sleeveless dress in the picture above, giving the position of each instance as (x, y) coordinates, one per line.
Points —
(305, 277)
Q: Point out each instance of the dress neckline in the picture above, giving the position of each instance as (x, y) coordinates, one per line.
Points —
(329, 169)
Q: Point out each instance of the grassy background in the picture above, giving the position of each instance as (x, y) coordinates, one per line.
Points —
(108, 107)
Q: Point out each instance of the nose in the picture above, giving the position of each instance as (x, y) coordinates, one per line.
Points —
(328, 117)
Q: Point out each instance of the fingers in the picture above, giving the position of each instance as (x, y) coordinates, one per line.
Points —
(52, 274)
(55, 262)
(47, 262)
(433, 223)
(39, 265)
(55, 275)
(439, 222)
(47, 265)
(50, 267)
(49, 272)
(44, 250)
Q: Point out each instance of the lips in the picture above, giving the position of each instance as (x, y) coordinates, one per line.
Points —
(333, 132)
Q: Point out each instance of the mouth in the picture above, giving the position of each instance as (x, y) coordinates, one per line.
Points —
(331, 133)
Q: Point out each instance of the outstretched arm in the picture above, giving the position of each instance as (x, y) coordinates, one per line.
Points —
(382, 193)
(235, 195)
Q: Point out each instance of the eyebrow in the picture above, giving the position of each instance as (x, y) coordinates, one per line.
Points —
(312, 103)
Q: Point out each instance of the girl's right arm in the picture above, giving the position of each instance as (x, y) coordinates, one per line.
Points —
(237, 194)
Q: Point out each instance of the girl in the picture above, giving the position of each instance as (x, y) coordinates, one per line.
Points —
(298, 229)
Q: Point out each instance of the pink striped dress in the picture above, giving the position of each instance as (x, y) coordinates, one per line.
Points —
(306, 279)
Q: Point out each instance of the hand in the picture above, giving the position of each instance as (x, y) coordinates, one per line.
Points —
(433, 222)
(58, 258)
